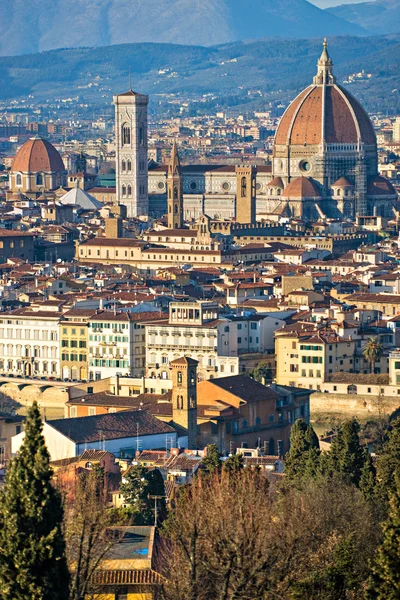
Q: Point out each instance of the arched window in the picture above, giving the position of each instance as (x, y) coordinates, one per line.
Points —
(175, 193)
(179, 378)
(141, 136)
(89, 465)
(176, 209)
(126, 134)
(244, 187)
(129, 190)
(123, 191)
(129, 165)
(338, 193)
(123, 166)
(18, 179)
(39, 179)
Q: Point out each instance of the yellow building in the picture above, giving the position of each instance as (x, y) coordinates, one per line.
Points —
(306, 358)
(128, 571)
(74, 344)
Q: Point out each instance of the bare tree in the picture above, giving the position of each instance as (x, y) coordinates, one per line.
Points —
(232, 538)
(221, 542)
(87, 539)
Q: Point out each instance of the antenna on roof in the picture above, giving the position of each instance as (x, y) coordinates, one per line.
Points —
(130, 79)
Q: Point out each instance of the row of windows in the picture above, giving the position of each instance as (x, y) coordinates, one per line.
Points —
(39, 179)
(302, 347)
(124, 364)
(109, 338)
(310, 373)
(29, 334)
(44, 367)
(74, 357)
(311, 359)
(126, 166)
(73, 344)
(112, 326)
(28, 351)
(73, 331)
(150, 257)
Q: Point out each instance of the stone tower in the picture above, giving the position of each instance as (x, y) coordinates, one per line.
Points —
(131, 152)
(184, 397)
(246, 195)
(175, 191)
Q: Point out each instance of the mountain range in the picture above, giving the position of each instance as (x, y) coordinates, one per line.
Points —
(29, 26)
(262, 72)
(381, 16)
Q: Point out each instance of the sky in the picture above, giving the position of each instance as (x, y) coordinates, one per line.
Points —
(327, 3)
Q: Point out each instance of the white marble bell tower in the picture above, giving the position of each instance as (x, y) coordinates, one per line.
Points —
(131, 152)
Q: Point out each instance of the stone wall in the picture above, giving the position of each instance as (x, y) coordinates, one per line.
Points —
(352, 405)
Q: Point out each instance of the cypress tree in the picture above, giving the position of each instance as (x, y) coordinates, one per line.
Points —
(388, 462)
(385, 579)
(303, 457)
(234, 463)
(347, 456)
(212, 460)
(32, 550)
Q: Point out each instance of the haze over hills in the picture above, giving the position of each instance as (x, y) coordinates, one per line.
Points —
(380, 16)
(29, 26)
(237, 73)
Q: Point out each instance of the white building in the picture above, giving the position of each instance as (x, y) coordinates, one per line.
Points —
(30, 343)
(196, 330)
(115, 433)
(132, 152)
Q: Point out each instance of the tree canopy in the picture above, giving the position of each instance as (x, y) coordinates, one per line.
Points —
(32, 550)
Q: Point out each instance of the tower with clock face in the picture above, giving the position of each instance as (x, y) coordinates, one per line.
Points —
(132, 152)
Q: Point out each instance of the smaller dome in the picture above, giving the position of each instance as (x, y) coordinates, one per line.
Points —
(37, 155)
(301, 187)
(380, 186)
(276, 183)
(342, 182)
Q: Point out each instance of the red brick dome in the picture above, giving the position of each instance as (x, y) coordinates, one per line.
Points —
(300, 188)
(325, 114)
(37, 155)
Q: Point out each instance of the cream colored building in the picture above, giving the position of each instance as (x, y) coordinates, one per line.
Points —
(307, 358)
(30, 343)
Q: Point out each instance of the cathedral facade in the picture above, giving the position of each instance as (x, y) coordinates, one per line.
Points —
(324, 165)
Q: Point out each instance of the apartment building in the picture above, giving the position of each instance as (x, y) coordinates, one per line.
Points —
(30, 343)
(116, 343)
(74, 343)
(195, 330)
(306, 358)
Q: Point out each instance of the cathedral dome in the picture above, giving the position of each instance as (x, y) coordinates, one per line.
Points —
(38, 155)
(325, 112)
(276, 183)
(301, 188)
(342, 182)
